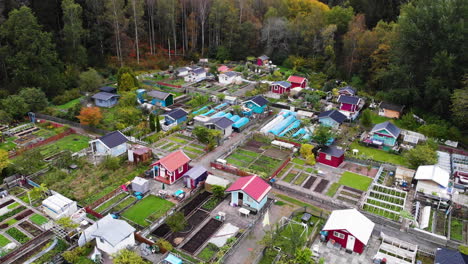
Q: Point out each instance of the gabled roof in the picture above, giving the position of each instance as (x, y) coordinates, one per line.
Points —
(393, 107)
(158, 94)
(113, 139)
(109, 229)
(253, 186)
(221, 122)
(264, 57)
(352, 221)
(348, 89)
(198, 71)
(57, 202)
(104, 96)
(296, 79)
(223, 68)
(182, 69)
(349, 99)
(283, 84)
(173, 161)
(332, 151)
(195, 172)
(336, 115)
(231, 74)
(258, 100)
(108, 89)
(391, 128)
(177, 113)
(449, 256)
(433, 173)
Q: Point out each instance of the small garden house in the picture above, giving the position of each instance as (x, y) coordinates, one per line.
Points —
(385, 133)
(223, 69)
(139, 153)
(450, 256)
(331, 118)
(263, 60)
(250, 191)
(195, 75)
(58, 206)
(170, 168)
(390, 110)
(350, 104)
(113, 144)
(331, 156)
(175, 116)
(280, 87)
(432, 180)
(297, 81)
(222, 124)
(348, 90)
(182, 71)
(349, 228)
(103, 99)
(194, 176)
(161, 98)
(257, 104)
(229, 77)
(111, 235)
(108, 89)
(140, 185)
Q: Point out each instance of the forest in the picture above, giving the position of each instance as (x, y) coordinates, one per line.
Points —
(411, 53)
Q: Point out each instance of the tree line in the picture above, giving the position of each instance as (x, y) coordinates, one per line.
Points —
(406, 52)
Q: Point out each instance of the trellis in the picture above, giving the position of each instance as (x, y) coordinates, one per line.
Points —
(384, 201)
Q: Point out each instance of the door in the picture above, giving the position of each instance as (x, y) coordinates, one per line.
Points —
(350, 242)
(240, 198)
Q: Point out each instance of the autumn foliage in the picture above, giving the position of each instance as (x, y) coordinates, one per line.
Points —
(90, 116)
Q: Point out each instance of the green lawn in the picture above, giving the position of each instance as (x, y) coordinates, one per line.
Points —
(298, 161)
(194, 150)
(299, 203)
(110, 202)
(72, 143)
(289, 177)
(13, 205)
(38, 219)
(376, 119)
(3, 241)
(379, 155)
(299, 180)
(8, 144)
(333, 188)
(151, 205)
(355, 181)
(124, 203)
(456, 229)
(70, 104)
(178, 140)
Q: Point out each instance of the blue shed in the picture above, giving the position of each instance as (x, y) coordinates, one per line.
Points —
(194, 176)
(161, 98)
(257, 104)
(103, 99)
(177, 116)
(332, 118)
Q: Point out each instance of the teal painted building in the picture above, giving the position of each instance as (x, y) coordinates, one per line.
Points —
(250, 192)
(258, 104)
(385, 133)
(332, 118)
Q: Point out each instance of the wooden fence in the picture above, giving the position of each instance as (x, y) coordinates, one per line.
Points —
(230, 169)
(105, 198)
(41, 143)
(93, 213)
(169, 85)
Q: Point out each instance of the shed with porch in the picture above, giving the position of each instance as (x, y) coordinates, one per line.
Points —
(170, 168)
(250, 191)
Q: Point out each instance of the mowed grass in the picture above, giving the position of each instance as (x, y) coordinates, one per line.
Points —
(110, 202)
(355, 181)
(72, 143)
(379, 155)
(333, 188)
(4, 241)
(148, 206)
(38, 219)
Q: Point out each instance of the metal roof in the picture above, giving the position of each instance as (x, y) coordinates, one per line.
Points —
(113, 139)
(104, 96)
(283, 84)
(332, 151)
(296, 79)
(352, 221)
(108, 89)
(158, 94)
(392, 107)
(57, 202)
(221, 122)
(258, 100)
(336, 115)
(198, 71)
(173, 160)
(348, 99)
(231, 74)
(449, 256)
(195, 172)
(349, 89)
(391, 128)
(177, 113)
(433, 173)
(264, 57)
(109, 229)
(253, 186)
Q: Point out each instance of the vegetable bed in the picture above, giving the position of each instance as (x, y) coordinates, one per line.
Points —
(17, 235)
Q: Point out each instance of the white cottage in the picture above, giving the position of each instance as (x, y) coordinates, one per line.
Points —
(113, 144)
(229, 77)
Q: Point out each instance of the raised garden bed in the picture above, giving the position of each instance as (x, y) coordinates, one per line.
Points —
(192, 222)
(7, 203)
(11, 213)
(194, 203)
(4, 241)
(350, 194)
(38, 219)
(208, 252)
(202, 235)
(13, 205)
(456, 229)
(17, 235)
(343, 198)
(104, 206)
(300, 179)
(24, 215)
(289, 177)
(321, 186)
(30, 228)
(211, 204)
(333, 188)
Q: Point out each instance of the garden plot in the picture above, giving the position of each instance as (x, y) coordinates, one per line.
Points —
(192, 223)
(258, 158)
(355, 181)
(202, 236)
(148, 210)
(116, 203)
(349, 195)
(385, 201)
(174, 142)
(72, 143)
(299, 173)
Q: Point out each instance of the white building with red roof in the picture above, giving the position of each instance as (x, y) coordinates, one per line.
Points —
(251, 191)
(172, 167)
(297, 81)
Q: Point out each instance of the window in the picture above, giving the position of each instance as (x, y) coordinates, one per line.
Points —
(181, 169)
(327, 157)
(338, 235)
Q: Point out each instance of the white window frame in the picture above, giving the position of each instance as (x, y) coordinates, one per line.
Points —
(181, 168)
(338, 235)
(328, 157)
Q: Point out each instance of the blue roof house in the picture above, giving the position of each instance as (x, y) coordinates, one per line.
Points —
(176, 116)
(332, 118)
(161, 98)
(222, 124)
(257, 104)
(113, 144)
(385, 133)
(103, 99)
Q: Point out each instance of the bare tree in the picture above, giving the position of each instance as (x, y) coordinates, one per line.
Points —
(203, 9)
(115, 15)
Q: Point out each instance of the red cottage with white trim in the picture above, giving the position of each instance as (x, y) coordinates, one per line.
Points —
(349, 228)
(172, 167)
(331, 156)
(297, 81)
(280, 87)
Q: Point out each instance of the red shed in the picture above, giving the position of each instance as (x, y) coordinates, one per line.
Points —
(331, 156)
(297, 81)
(280, 87)
(263, 60)
(349, 228)
(170, 168)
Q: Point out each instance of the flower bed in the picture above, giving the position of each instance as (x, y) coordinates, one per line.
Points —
(17, 235)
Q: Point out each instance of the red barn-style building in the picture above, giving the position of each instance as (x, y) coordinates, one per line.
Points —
(350, 229)
(349, 103)
(280, 87)
(331, 156)
(172, 167)
(297, 81)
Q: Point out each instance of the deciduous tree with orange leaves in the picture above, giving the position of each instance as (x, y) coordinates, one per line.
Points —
(90, 116)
